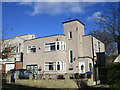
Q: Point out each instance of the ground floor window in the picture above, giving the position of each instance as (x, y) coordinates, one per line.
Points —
(33, 69)
(54, 66)
(50, 66)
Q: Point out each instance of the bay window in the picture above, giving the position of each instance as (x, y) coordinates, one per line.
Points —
(54, 66)
(58, 45)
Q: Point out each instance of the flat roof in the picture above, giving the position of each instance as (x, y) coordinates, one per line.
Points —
(73, 20)
(19, 36)
(46, 37)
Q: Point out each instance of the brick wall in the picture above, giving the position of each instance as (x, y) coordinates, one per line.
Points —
(18, 65)
(3, 68)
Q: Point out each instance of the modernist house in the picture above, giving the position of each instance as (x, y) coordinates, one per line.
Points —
(72, 52)
(11, 52)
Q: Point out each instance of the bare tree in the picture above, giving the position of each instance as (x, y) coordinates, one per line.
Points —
(106, 38)
(6, 48)
(109, 20)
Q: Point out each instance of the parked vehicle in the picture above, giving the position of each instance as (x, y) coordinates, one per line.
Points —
(23, 74)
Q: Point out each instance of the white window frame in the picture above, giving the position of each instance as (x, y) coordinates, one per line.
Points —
(62, 46)
(61, 63)
(48, 65)
(29, 49)
(70, 35)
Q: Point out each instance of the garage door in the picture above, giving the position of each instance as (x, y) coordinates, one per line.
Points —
(9, 67)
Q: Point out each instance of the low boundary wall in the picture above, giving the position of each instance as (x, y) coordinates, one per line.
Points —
(51, 83)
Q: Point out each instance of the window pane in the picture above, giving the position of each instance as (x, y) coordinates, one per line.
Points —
(58, 46)
(52, 47)
(58, 66)
(71, 56)
(28, 67)
(47, 48)
(90, 66)
(33, 49)
(47, 67)
(62, 65)
(50, 66)
(70, 35)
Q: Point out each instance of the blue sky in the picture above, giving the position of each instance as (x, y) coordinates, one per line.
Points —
(43, 19)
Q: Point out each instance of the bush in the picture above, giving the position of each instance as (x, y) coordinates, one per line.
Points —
(114, 76)
(82, 76)
(76, 75)
(24, 77)
(89, 75)
(60, 77)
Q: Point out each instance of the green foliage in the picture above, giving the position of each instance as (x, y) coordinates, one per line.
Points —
(114, 76)
(24, 77)
(82, 76)
(89, 76)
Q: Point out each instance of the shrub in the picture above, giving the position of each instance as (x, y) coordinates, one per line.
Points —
(114, 76)
(60, 77)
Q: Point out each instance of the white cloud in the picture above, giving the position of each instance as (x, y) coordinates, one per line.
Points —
(94, 16)
(25, 3)
(55, 8)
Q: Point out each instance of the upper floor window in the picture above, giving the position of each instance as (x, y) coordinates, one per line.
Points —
(96, 47)
(70, 35)
(31, 49)
(13, 50)
(59, 45)
(50, 46)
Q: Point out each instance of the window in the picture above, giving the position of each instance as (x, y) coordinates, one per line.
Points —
(31, 49)
(13, 50)
(50, 66)
(59, 45)
(55, 66)
(58, 65)
(70, 35)
(71, 56)
(96, 47)
(82, 68)
(32, 68)
(90, 66)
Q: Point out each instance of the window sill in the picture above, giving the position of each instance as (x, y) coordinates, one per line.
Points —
(70, 39)
(53, 51)
(31, 52)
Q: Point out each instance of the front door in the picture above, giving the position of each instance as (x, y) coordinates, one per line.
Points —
(81, 67)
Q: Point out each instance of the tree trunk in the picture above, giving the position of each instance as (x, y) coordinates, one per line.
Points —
(118, 45)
